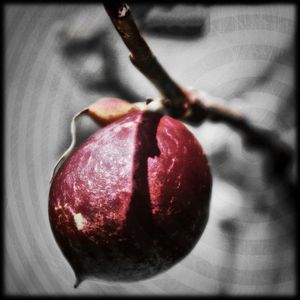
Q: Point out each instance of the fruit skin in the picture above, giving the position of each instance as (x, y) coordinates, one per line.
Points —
(132, 200)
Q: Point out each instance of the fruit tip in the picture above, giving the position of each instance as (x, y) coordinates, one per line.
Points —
(77, 282)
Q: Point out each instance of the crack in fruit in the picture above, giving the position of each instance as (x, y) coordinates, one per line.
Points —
(139, 215)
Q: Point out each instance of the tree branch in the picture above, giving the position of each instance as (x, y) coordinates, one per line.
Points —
(182, 105)
(278, 155)
(143, 59)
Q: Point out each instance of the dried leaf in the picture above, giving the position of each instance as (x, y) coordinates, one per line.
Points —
(108, 110)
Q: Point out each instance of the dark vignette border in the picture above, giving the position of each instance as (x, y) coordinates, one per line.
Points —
(2, 131)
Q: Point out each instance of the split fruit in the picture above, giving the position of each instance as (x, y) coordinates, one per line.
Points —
(132, 200)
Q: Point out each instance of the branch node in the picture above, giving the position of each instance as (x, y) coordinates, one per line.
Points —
(123, 10)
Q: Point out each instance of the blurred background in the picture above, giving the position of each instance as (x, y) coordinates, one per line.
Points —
(61, 58)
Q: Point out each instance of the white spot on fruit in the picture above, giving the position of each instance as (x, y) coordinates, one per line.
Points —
(79, 221)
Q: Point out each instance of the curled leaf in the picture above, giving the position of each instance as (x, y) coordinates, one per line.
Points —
(72, 145)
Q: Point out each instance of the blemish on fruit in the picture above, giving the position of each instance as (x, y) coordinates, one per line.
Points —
(79, 221)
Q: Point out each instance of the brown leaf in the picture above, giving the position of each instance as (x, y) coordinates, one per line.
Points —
(108, 110)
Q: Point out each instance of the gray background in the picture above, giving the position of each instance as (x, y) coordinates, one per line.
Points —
(240, 56)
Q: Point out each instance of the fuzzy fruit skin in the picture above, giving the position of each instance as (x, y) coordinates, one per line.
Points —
(132, 200)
